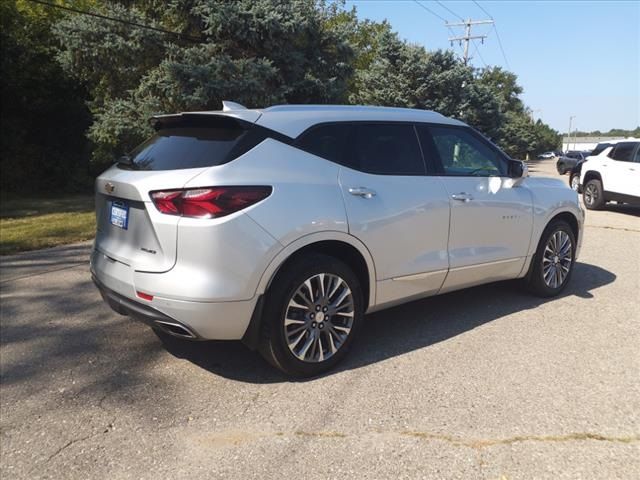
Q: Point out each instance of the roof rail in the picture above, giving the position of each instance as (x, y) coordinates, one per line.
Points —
(228, 106)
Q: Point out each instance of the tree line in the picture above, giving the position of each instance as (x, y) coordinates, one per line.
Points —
(77, 90)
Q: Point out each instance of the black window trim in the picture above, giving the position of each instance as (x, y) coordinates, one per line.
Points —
(351, 141)
(433, 166)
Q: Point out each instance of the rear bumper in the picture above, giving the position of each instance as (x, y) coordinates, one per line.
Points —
(154, 318)
(226, 320)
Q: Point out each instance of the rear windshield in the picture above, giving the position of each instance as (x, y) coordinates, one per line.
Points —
(178, 148)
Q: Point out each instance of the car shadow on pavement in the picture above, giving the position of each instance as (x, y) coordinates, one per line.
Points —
(416, 325)
(625, 208)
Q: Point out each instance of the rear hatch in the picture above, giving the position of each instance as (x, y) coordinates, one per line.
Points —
(130, 229)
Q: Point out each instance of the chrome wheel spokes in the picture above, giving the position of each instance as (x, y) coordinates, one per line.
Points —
(319, 317)
(590, 194)
(575, 182)
(556, 259)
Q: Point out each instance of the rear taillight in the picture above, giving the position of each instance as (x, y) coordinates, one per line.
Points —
(209, 202)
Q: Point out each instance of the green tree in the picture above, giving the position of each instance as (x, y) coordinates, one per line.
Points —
(43, 113)
(517, 135)
(257, 52)
(404, 75)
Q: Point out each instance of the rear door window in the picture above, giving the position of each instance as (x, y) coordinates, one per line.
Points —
(326, 141)
(386, 149)
(623, 151)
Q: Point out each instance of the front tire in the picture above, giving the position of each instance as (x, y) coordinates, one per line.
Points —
(562, 169)
(593, 195)
(553, 261)
(313, 312)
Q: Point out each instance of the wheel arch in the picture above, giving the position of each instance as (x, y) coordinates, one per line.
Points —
(574, 223)
(340, 245)
(337, 244)
(591, 175)
(571, 219)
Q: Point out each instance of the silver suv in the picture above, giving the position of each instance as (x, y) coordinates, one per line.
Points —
(282, 227)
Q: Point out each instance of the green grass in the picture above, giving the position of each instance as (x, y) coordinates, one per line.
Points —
(32, 223)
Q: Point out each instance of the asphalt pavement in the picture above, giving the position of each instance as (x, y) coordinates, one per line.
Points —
(486, 383)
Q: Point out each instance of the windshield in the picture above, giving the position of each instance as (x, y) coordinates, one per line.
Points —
(600, 148)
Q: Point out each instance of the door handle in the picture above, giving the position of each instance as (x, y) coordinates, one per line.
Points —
(462, 197)
(362, 192)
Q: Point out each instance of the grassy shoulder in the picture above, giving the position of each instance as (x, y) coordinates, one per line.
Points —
(33, 223)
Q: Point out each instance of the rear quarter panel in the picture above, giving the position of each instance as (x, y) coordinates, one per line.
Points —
(305, 201)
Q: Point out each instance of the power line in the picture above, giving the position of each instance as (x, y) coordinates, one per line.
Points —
(483, 10)
(449, 10)
(119, 20)
(431, 11)
(479, 54)
(504, 55)
(441, 18)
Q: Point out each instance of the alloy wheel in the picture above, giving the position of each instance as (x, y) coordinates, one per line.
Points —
(557, 259)
(590, 194)
(319, 318)
(575, 182)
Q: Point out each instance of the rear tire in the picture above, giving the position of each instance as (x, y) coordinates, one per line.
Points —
(553, 262)
(593, 195)
(313, 311)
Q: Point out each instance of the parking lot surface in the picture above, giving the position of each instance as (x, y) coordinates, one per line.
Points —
(487, 383)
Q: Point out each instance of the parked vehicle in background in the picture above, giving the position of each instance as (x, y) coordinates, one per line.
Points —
(569, 160)
(574, 176)
(613, 175)
(282, 227)
(546, 155)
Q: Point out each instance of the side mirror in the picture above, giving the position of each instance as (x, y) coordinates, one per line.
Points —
(518, 171)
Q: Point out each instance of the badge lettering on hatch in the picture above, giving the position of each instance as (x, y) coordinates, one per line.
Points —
(148, 250)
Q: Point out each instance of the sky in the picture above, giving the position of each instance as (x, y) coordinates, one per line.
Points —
(573, 58)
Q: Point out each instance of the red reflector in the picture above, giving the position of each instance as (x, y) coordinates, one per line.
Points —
(144, 296)
(210, 202)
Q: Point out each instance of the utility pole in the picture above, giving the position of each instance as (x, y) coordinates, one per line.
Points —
(532, 113)
(569, 132)
(467, 36)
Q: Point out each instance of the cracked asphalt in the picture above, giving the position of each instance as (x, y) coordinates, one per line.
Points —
(487, 383)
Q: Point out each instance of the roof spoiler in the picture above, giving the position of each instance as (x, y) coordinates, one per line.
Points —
(197, 120)
(228, 106)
